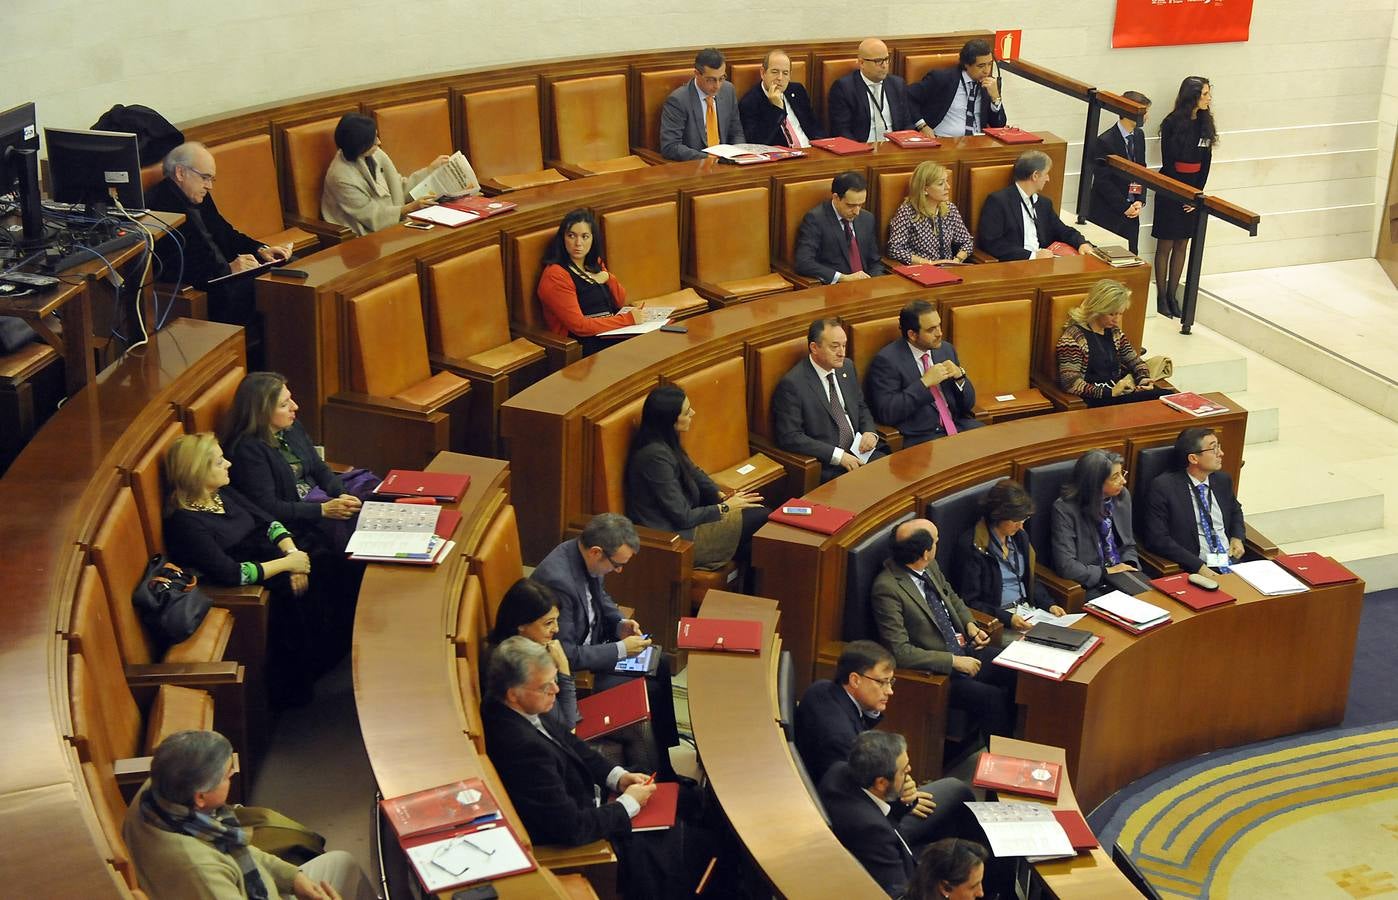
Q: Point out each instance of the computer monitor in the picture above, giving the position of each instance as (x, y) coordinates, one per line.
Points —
(19, 166)
(88, 166)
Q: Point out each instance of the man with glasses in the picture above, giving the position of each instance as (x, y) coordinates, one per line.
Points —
(1193, 517)
(212, 246)
(701, 112)
(868, 102)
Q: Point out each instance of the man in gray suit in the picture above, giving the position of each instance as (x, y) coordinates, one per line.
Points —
(927, 626)
(837, 241)
(818, 409)
(702, 112)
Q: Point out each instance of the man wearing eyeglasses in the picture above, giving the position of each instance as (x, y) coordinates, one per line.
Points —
(212, 246)
(702, 112)
(868, 102)
(1193, 517)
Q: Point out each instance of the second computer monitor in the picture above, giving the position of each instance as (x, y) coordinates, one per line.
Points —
(87, 166)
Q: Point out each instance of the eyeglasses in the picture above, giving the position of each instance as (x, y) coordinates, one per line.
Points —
(208, 179)
(881, 682)
(616, 565)
(1216, 448)
(881, 61)
(1118, 476)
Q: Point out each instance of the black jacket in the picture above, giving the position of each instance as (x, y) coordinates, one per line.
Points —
(762, 122)
(1110, 187)
(822, 249)
(1000, 231)
(207, 251)
(827, 722)
(215, 545)
(1170, 528)
(669, 493)
(898, 397)
(934, 93)
(262, 474)
(848, 106)
(975, 573)
(801, 418)
(866, 832)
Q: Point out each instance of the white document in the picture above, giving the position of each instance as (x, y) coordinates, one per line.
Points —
(1022, 829)
(483, 854)
(638, 328)
(1041, 659)
(1048, 618)
(454, 178)
(1268, 578)
(649, 312)
(737, 151)
(862, 456)
(395, 530)
(1128, 608)
(443, 215)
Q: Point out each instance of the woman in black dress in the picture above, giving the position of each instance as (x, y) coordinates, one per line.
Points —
(1187, 139)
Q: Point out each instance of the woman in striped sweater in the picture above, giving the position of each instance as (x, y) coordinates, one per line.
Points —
(1095, 358)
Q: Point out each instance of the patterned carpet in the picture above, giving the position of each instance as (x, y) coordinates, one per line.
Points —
(1309, 816)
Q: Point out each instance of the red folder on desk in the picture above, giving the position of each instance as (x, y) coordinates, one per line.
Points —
(842, 146)
(445, 486)
(440, 808)
(1177, 587)
(1075, 826)
(1314, 569)
(1012, 135)
(1017, 775)
(484, 207)
(606, 711)
(1058, 248)
(928, 276)
(824, 519)
(732, 635)
(912, 138)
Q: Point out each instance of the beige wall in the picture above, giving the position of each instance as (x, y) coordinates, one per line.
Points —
(1299, 104)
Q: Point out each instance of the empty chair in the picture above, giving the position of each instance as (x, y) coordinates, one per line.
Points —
(654, 86)
(503, 140)
(730, 258)
(590, 127)
(981, 182)
(643, 251)
(995, 340)
(497, 561)
(416, 133)
(248, 195)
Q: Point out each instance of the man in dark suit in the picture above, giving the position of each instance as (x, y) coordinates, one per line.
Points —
(1175, 527)
(916, 383)
(837, 241)
(965, 99)
(1117, 199)
(1017, 222)
(927, 626)
(777, 111)
(557, 782)
(702, 112)
(868, 101)
(818, 409)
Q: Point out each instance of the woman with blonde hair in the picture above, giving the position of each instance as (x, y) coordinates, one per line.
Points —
(1095, 358)
(927, 228)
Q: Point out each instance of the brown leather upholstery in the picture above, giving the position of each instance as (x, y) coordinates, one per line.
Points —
(701, 581)
(152, 175)
(526, 255)
(1056, 307)
(468, 696)
(414, 134)
(590, 120)
(718, 393)
(916, 65)
(306, 153)
(388, 347)
(498, 562)
(91, 635)
(470, 634)
(769, 364)
(148, 488)
(247, 192)
(654, 87)
(177, 709)
(577, 887)
(728, 235)
(502, 136)
(797, 198)
(206, 411)
(467, 310)
(867, 338)
(110, 808)
(91, 693)
(993, 342)
(981, 182)
(611, 442)
(744, 75)
(643, 251)
(890, 189)
(829, 70)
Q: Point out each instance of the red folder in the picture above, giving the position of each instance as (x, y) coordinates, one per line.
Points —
(842, 146)
(928, 276)
(1058, 248)
(732, 635)
(1122, 623)
(409, 483)
(1076, 827)
(606, 711)
(1314, 569)
(912, 138)
(824, 519)
(485, 207)
(1017, 775)
(1012, 135)
(447, 521)
(1177, 587)
(1194, 404)
(440, 808)
(659, 811)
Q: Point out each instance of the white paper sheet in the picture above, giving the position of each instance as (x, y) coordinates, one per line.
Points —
(1022, 829)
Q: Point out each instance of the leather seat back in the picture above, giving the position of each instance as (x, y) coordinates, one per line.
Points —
(497, 561)
(863, 563)
(866, 339)
(502, 130)
(119, 553)
(414, 134)
(729, 235)
(611, 443)
(981, 182)
(718, 394)
(307, 150)
(953, 514)
(916, 65)
(148, 487)
(890, 190)
(994, 340)
(744, 75)
(654, 86)
(387, 347)
(590, 118)
(247, 192)
(828, 70)
(769, 364)
(1055, 307)
(153, 174)
(113, 716)
(110, 808)
(1149, 462)
(1043, 482)
(467, 311)
(206, 411)
(797, 198)
(526, 255)
(643, 248)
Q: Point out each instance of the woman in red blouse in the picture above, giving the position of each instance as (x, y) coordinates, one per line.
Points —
(581, 299)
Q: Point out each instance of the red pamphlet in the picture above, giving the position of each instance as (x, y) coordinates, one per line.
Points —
(445, 486)
(1194, 404)
(1018, 776)
(440, 808)
(1314, 569)
(659, 812)
(824, 519)
(484, 207)
(1177, 587)
(1011, 135)
(732, 635)
(842, 146)
(912, 138)
(606, 711)
(447, 521)
(1058, 248)
(1076, 827)
(928, 276)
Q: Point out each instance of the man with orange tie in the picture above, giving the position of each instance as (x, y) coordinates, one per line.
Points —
(702, 112)
(916, 383)
(838, 241)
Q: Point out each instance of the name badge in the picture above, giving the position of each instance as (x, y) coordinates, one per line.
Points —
(960, 639)
(1134, 189)
(1204, 142)
(1216, 561)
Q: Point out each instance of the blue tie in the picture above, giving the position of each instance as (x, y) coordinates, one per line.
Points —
(1109, 551)
(940, 615)
(1206, 523)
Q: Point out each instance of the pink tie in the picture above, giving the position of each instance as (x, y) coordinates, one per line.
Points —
(940, 401)
(791, 139)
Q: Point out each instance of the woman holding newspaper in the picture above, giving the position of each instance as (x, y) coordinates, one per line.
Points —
(363, 190)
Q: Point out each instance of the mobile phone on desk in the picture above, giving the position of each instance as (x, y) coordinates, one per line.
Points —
(477, 892)
(675, 329)
(797, 510)
(420, 226)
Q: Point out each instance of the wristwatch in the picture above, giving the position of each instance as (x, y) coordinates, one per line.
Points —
(723, 509)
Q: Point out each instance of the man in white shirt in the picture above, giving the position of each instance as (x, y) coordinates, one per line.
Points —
(868, 102)
(965, 99)
(1018, 222)
(777, 111)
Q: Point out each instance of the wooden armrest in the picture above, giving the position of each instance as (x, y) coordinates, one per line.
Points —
(195, 675)
(890, 436)
(572, 170)
(718, 297)
(1061, 399)
(1070, 594)
(1257, 542)
(133, 770)
(802, 472)
(651, 156)
(552, 856)
(234, 596)
(328, 233)
(980, 256)
(489, 365)
(988, 623)
(765, 471)
(790, 274)
(561, 351)
(1157, 564)
(372, 403)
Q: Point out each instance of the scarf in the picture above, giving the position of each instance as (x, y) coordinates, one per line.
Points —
(219, 828)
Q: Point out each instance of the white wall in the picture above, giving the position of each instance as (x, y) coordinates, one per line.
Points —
(1299, 103)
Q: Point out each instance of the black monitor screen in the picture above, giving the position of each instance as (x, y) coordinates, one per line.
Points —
(87, 165)
(19, 130)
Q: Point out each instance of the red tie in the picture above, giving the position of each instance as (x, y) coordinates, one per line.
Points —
(791, 139)
(856, 263)
(940, 401)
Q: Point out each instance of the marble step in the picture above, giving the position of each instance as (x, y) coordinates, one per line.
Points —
(1292, 509)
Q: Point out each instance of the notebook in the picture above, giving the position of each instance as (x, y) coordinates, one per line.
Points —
(824, 519)
(731, 635)
(1266, 577)
(928, 276)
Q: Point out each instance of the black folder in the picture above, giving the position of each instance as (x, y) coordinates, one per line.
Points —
(1058, 636)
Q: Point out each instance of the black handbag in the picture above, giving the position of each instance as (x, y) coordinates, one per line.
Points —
(169, 602)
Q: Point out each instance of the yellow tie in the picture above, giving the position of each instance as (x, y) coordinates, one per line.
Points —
(710, 122)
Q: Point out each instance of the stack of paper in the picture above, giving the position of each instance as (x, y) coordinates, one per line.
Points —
(1130, 613)
(397, 532)
(1022, 829)
(1268, 578)
(1043, 660)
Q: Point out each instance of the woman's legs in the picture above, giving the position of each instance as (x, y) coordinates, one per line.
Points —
(1170, 256)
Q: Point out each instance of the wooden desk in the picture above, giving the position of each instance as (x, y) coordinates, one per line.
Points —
(732, 699)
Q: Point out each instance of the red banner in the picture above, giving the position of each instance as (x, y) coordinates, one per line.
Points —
(1160, 23)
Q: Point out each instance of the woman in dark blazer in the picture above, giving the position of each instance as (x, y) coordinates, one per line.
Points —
(1093, 542)
(667, 491)
(993, 569)
(1187, 139)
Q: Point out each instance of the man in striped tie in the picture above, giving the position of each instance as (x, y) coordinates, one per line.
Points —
(702, 112)
(1117, 198)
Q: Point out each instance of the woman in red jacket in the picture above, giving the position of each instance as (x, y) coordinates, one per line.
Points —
(581, 299)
